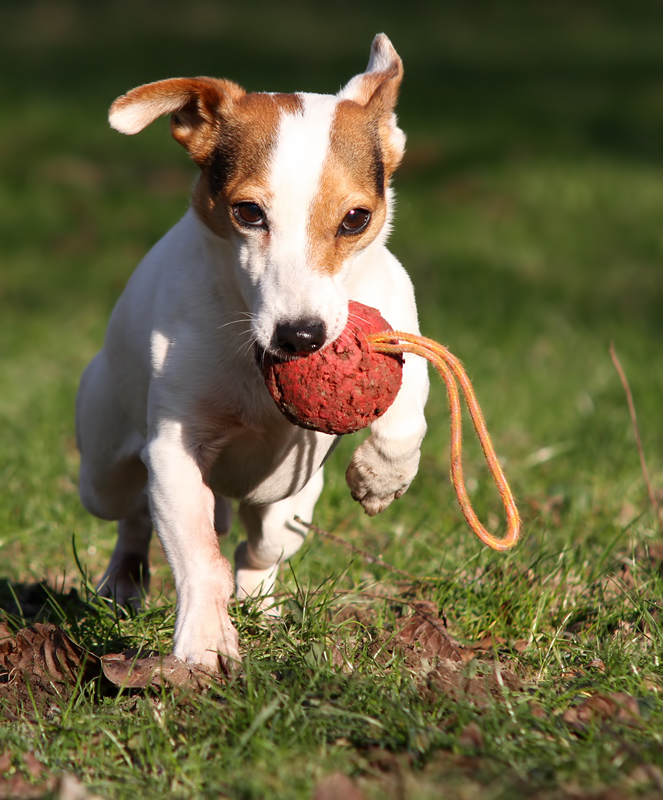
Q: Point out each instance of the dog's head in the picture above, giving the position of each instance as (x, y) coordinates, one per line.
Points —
(298, 182)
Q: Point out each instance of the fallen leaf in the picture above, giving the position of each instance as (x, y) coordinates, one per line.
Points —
(459, 681)
(425, 629)
(483, 647)
(44, 657)
(5, 631)
(46, 652)
(129, 672)
(601, 707)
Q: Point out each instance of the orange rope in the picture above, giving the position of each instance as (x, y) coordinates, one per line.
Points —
(450, 370)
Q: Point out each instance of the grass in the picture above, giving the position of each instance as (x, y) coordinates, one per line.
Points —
(529, 216)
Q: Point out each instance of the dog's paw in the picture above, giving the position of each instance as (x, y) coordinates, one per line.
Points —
(375, 480)
(217, 650)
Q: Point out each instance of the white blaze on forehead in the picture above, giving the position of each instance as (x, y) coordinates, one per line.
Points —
(289, 288)
(296, 168)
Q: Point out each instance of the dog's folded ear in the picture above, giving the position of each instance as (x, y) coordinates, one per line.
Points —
(377, 90)
(194, 103)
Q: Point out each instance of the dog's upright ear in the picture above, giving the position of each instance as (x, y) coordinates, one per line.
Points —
(377, 90)
(195, 105)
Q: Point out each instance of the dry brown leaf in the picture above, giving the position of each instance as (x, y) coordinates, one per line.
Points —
(129, 672)
(485, 646)
(44, 652)
(39, 663)
(337, 786)
(455, 680)
(52, 663)
(425, 629)
(616, 706)
(5, 631)
(487, 643)
(438, 662)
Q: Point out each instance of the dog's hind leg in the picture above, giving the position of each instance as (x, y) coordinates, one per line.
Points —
(127, 577)
(273, 537)
(113, 481)
(223, 515)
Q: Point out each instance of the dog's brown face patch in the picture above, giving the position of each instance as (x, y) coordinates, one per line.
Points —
(237, 168)
(355, 175)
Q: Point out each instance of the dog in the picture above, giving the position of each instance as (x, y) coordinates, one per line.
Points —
(287, 223)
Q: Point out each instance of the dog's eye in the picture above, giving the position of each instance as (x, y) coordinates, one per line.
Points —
(354, 221)
(250, 215)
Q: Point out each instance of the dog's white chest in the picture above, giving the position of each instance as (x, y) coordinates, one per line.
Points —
(264, 467)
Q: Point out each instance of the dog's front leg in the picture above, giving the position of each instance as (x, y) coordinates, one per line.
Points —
(183, 514)
(385, 464)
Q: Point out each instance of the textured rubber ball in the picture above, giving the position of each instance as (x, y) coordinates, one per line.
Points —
(342, 388)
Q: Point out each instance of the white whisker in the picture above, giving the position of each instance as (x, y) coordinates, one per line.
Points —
(246, 347)
(246, 317)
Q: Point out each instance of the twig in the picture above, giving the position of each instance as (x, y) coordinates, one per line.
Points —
(636, 428)
(362, 553)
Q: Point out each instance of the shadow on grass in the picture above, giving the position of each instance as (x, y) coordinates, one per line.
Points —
(26, 603)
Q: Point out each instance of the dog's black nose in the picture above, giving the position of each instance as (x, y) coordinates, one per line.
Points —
(300, 337)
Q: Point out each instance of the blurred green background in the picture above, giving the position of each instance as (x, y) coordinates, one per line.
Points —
(530, 217)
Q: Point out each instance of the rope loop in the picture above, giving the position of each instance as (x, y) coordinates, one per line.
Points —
(451, 370)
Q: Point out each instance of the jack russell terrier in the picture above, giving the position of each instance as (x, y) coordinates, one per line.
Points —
(288, 222)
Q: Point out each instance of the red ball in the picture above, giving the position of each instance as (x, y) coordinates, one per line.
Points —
(342, 388)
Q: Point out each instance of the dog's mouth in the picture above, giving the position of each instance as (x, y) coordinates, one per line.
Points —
(265, 357)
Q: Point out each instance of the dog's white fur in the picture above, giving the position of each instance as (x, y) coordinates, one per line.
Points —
(173, 417)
